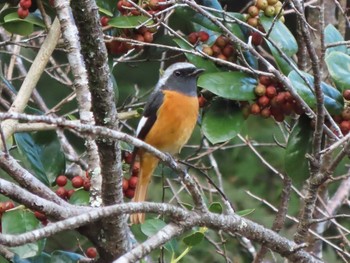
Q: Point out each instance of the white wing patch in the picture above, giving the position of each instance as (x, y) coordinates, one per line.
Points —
(141, 124)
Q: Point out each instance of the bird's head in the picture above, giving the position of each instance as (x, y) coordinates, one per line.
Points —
(181, 77)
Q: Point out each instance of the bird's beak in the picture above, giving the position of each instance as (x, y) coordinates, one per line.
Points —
(197, 72)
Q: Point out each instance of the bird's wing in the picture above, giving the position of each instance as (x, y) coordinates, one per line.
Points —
(150, 114)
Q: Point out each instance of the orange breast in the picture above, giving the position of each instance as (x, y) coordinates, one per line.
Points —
(176, 119)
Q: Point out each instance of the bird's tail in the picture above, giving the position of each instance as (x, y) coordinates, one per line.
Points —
(148, 164)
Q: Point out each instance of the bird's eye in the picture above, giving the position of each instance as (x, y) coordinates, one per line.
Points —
(177, 73)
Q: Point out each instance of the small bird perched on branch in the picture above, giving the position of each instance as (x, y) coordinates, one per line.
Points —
(168, 120)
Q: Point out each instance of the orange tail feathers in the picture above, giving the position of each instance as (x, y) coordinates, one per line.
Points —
(148, 164)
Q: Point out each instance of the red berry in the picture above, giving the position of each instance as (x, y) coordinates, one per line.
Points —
(129, 193)
(228, 50)
(148, 37)
(255, 109)
(216, 50)
(263, 101)
(70, 193)
(61, 192)
(87, 185)
(337, 118)
(271, 91)
(125, 184)
(104, 20)
(265, 80)
(203, 36)
(135, 169)
(128, 157)
(253, 21)
(221, 56)
(77, 181)
(221, 41)
(253, 11)
(287, 108)
(25, 4)
(22, 13)
(133, 182)
(265, 113)
(346, 114)
(91, 252)
(262, 4)
(345, 127)
(8, 205)
(61, 180)
(201, 101)
(260, 90)
(40, 216)
(193, 37)
(346, 94)
(256, 39)
(139, 37)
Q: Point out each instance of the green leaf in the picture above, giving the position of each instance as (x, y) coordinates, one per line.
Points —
(59, 256)
(332, 35)
(193, 239)
(21, 221)
(282, 64)
(20, 28)
(42, 258)
(245, 212)
(32, 152)
(129, 21)
(32, 19)
(105, 11)
(51, 154)
(222, 121)
(229, 85)
(333, 99)
(281, 35)
(299, 144)
(338, 65)
(215, 208)
(80, 197)
(152, 226)
(199, 62)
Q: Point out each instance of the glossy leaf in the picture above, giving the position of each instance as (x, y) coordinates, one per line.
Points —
(51, 154)
(21, 221)
(152, 226)
(282, 64)
(299, 144)
(193, 239)
(59, 256)
(129, 21)
(32, 19)
(333, 99)
(222, 121)
(281, 35)
(229, 85)
(338, 64)
(80, 197)
(332, 35)
(42, 258)
(32, 152)
(215, 208)
(20, 28)
(105, 11)
(211, 3)
(199, 62)
(245, 212)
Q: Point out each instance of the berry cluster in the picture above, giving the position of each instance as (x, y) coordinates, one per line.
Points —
(77, 182)
(129, 185)
(343, 119)
(23, 10)
(142, 34)
(270, 8)
(222, 49)
(273, 100)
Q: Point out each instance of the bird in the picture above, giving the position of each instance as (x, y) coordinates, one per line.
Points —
(168, 120)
